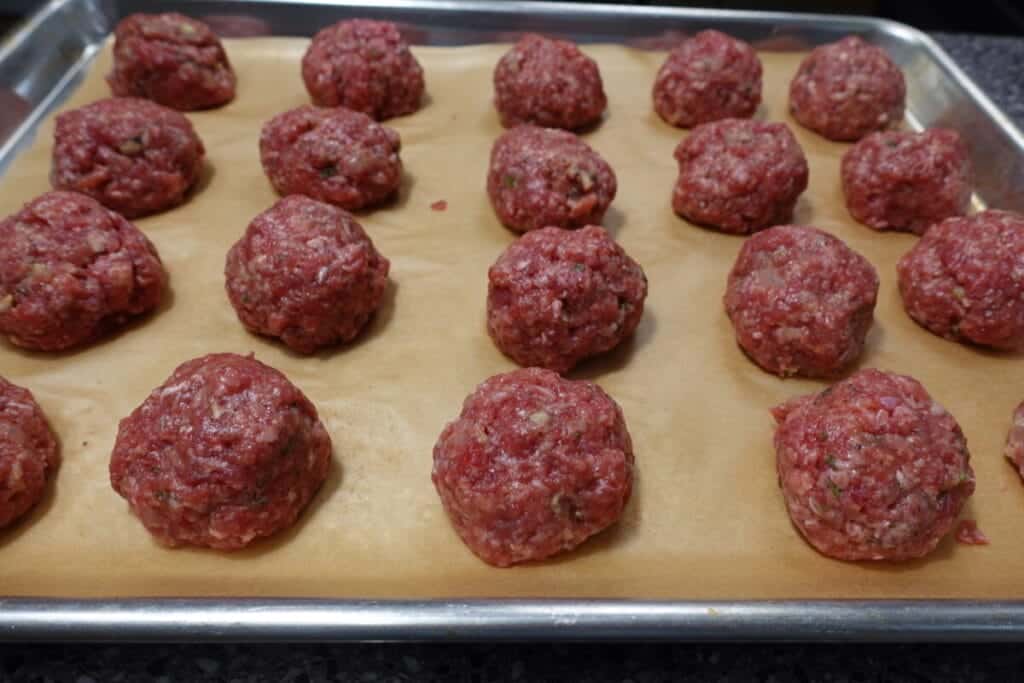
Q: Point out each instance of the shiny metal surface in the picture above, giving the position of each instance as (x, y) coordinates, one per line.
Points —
(493, 620)
(42, 63)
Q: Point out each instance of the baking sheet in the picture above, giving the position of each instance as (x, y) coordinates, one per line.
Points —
(706, 520)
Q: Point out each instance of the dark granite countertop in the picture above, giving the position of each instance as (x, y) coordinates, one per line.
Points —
(997, 64)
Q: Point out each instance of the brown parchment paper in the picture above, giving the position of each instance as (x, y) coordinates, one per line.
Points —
(707, 519)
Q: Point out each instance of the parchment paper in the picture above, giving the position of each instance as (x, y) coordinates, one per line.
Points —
(707, 519)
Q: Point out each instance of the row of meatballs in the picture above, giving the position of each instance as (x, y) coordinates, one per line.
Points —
(843, 90)
(801, 301)
(228, 451)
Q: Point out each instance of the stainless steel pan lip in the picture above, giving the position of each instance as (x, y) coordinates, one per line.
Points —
(270, 620)
(285, 619)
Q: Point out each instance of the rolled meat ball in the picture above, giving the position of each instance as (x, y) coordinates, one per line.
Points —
(337, 155)
(172, 59)
(533, 466)
(708, 77)
(847, 89)
(872, 468)
(549, 83)
(365, 66)
(898, 180)
(556, 297)
(964, 279)
(131, 155)
(739, 176)
(801, 301)
(28, 452)
(225, 452)
(541, 177)
(71, 271)
(306, 272)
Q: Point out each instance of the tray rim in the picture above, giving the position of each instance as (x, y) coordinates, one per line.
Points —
(257, 620)
(327, 620)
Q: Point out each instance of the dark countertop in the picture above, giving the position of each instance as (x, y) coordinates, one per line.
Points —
(995, 63)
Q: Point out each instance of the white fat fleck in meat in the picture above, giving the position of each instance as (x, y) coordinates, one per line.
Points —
(97, 241)
(539, 418)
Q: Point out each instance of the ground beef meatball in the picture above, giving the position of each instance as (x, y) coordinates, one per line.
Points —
(801, 301)
(543, 177)
(365, 66)
(707, 78)
(549, 83)
(739, 176)
(171, 59)
(226, 451)
(558, 296)
(70, 270)
(872, 468)
(28, 452)
(334, 155)
(847, 89)
(133, 156)
(907, 181)
(305, 272)
(533, 466)
(964, 280)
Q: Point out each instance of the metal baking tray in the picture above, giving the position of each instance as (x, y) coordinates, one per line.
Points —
(42, 62)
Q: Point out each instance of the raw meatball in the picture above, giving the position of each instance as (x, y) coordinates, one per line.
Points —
(533, 466)
(558, 296)
(71, 271)
(709, 77)
(739, 176)
(542, 176)
(334, 155)
(872, 468)
(226, 451)
(907, 181)
(801, 301)
(171, 59)
(28, 452)
(847, 89)
(305, 272)
(365, 66)
(1015, 440)
(133, 156)
(964, 280)
(548, 83)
